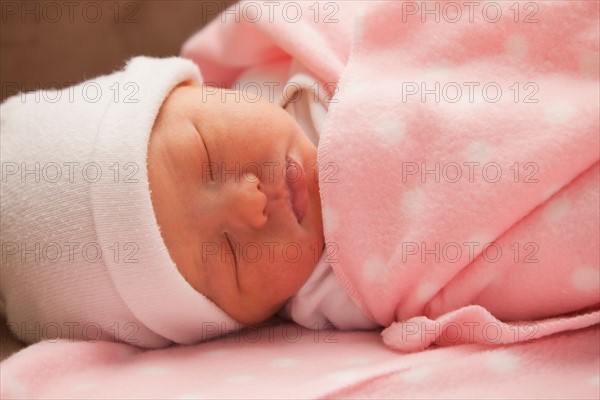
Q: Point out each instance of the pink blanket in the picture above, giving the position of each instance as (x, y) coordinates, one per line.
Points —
(458, 162)
(442, 201)
(287, 361)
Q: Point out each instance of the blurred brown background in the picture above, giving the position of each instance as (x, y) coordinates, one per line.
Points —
(62, 42)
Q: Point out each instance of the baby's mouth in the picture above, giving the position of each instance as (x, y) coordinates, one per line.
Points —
(296, 183)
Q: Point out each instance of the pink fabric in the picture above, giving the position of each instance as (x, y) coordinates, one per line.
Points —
(287, 361)
(527, 370)
(225, 48)
(416, 250)
(403, 239)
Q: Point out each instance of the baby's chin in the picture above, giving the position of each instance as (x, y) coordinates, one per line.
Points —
(253, 314)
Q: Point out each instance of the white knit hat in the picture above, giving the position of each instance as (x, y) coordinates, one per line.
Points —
(81, 249)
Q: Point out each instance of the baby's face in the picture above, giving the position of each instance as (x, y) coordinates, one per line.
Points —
(217, 172)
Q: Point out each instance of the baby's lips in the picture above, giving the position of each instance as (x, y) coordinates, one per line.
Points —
(296, 181)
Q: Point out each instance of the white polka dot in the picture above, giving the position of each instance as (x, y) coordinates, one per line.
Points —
(154, 371)
(16, 388)
(559, 112)
(516, 46)
(416, 374)
(374, 269)
(413, 202)
(556, 209)
(284, 362)
(594, 380)
(345, 377)
(502, 361)
(390, 130)
(242, 378)
(425, 291)
(478, 151)
(585, 279)
(330, 216)
(435, 72)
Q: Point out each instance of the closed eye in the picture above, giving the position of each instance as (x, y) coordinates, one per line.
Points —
(209, 165)
(235, 264)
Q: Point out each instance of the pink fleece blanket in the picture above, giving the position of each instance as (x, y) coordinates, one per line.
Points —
(287, 361)
(449, 212)
(458, 162)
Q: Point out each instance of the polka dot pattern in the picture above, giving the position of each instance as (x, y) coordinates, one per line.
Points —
(594, 380)
(390, 130)
(375, 269)
(560, 112)
(345, 377)
(478, 151)
(413, 202)
(17, 389)
(273, 368)
(502, 361)
(331, 216)
(437, 71)
(556, 210)
(586, 279)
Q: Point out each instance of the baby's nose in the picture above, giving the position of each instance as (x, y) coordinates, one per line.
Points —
(245, 201)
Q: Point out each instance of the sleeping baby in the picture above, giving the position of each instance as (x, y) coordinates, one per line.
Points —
(156, 205)
(176, 215)
(249, 197)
